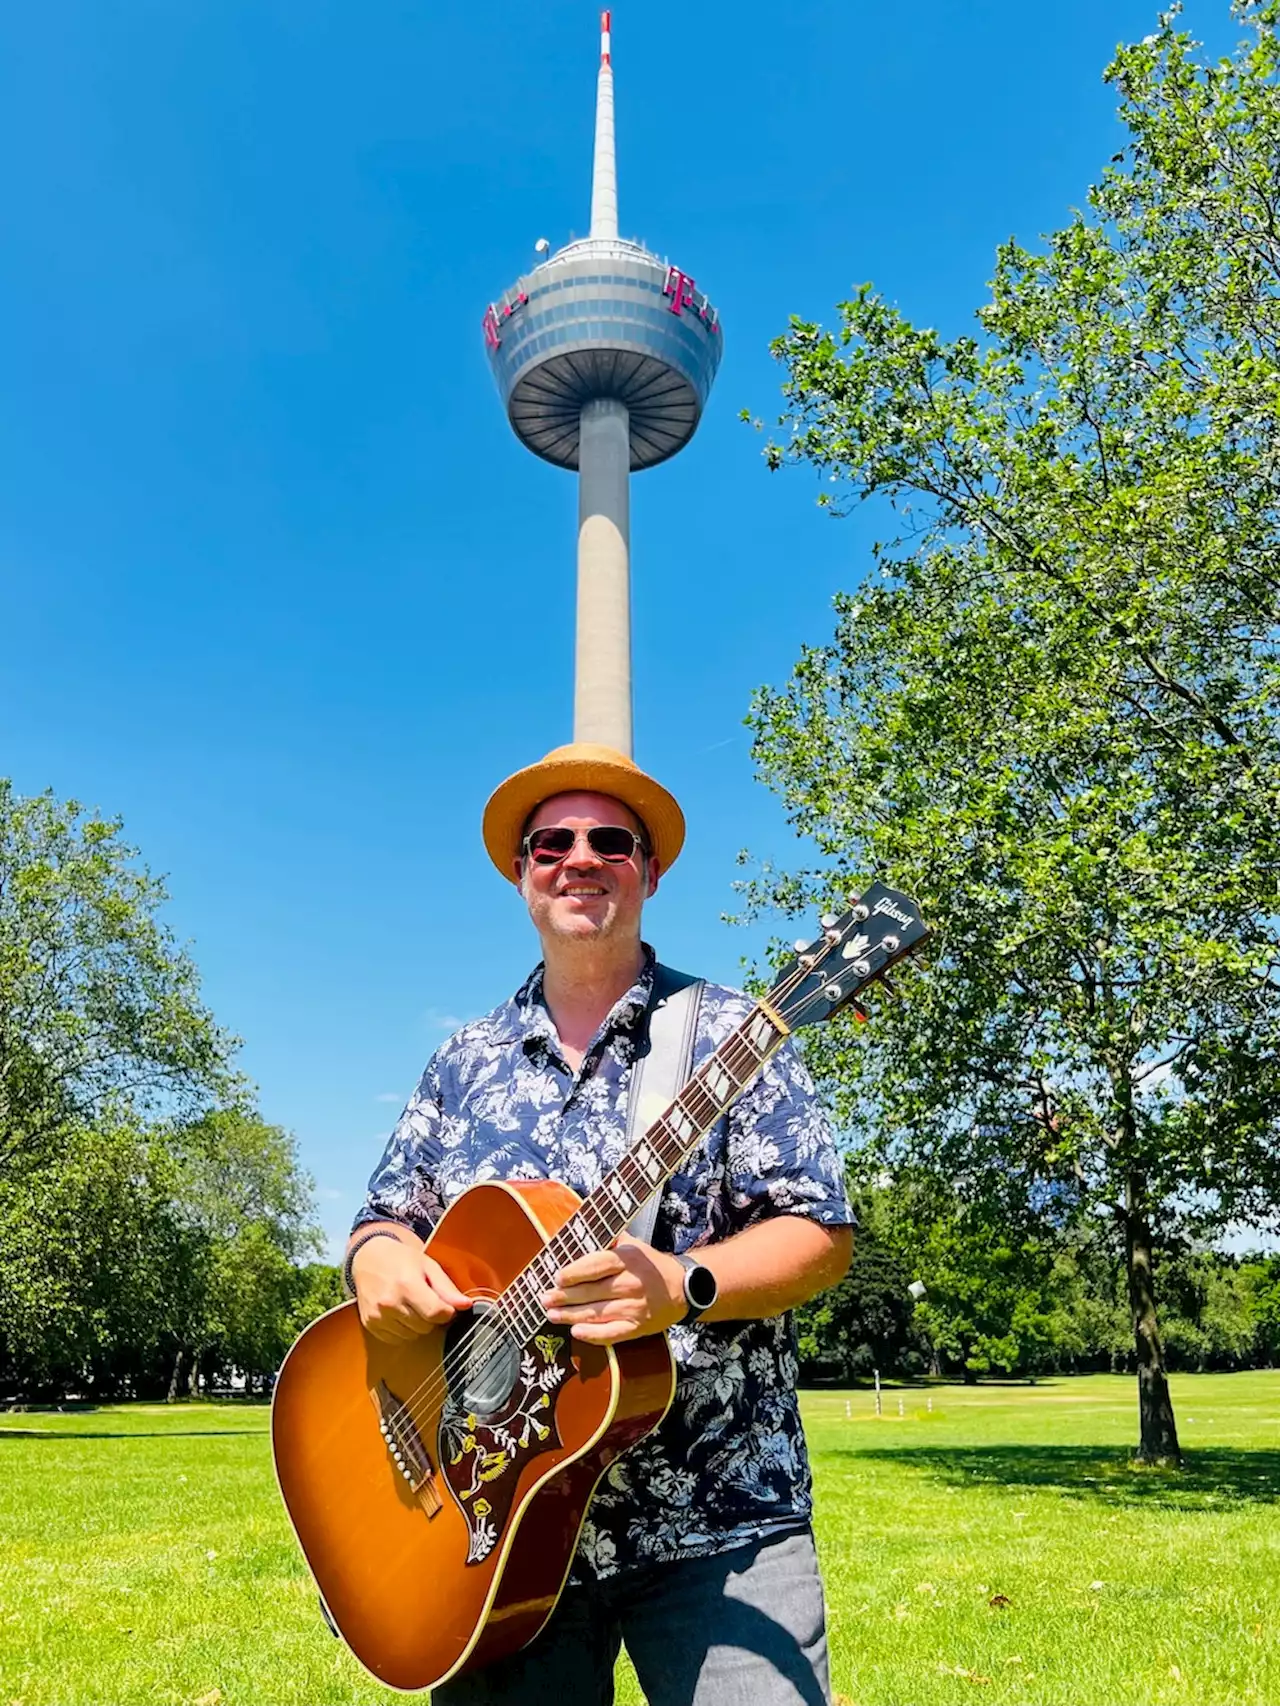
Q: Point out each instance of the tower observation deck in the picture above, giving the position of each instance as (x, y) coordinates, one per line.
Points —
(604, 357)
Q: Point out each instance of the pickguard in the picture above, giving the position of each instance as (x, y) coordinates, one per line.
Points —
(481, 1456)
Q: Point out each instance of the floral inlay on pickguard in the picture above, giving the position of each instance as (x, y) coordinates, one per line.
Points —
(481, 1456)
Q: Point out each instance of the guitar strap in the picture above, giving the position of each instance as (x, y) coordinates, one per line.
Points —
(659, 1074)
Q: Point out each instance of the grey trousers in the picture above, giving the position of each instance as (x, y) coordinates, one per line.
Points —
(745, 1628)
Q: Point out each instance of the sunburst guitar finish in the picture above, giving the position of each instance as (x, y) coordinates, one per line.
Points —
(440, 1529)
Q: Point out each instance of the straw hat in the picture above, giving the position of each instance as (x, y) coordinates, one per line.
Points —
(576, 769)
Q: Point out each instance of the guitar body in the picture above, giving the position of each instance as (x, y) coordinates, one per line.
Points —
(455, 1553)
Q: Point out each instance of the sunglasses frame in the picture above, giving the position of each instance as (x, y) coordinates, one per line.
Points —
(638, 844)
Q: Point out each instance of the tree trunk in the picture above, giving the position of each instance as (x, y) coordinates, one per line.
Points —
(1157, 1429)
(175, 1379)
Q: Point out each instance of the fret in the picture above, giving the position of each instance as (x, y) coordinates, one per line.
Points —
(654, 1156)
(696, 1088)
(575, 1238)
(638, 1183)
(759, 1034)
(541, 1271)
(680, 1122)
(623, 1198)
(647, 1159)
(720, 1081)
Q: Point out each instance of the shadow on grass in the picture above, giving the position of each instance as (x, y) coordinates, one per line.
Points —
(1211, 1478)
(128, 1433)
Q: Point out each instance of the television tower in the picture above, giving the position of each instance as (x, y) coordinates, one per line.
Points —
(604, 356)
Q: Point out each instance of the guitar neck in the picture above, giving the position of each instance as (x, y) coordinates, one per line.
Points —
(650, 1161)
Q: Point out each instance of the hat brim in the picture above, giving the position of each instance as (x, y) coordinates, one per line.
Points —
(589, 771)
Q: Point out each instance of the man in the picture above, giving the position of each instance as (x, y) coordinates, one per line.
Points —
(697, 1549)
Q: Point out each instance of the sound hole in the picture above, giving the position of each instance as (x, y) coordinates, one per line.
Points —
(482, 1358)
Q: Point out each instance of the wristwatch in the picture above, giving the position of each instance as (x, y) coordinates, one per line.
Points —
(700, 1289)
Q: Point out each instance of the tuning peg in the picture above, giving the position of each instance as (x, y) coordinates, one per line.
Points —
(890, 989)
(828, 920)
(800, 945)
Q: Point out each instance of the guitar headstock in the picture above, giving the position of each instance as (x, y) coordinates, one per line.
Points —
(880, 928)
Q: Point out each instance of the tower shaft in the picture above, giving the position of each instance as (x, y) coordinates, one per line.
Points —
(604, 356)
(602, 666)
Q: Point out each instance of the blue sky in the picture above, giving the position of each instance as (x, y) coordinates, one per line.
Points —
(277, 584)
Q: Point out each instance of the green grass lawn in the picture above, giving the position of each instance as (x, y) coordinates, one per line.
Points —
(999, 1548)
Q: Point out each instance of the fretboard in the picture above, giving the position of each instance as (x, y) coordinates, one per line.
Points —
(651, 1160)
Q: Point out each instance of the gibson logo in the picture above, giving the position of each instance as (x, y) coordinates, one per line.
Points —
(886, 907)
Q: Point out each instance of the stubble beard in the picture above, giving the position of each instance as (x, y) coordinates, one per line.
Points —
(564, 931)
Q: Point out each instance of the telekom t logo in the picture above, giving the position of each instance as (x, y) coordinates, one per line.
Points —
(680, 288)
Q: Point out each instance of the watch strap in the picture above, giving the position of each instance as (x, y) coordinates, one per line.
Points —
(695, 1311)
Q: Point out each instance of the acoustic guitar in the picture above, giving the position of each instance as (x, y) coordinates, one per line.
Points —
(437, 1487)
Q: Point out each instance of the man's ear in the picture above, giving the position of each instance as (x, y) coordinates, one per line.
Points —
(653, 872)
(517, 871)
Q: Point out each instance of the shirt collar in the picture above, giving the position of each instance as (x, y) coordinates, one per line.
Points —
(525, 1017)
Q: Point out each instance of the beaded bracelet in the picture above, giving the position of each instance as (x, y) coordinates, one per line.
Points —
(348, 1279)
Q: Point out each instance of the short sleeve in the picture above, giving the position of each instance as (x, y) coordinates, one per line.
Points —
(780, 1156)
(404, 1185)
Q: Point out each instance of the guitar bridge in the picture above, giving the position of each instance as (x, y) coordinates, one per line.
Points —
(406, 1447)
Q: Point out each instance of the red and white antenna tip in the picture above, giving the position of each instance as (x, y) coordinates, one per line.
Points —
(604, 38)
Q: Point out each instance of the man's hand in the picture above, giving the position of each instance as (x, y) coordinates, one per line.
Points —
(401, 1291)
(616, 1294)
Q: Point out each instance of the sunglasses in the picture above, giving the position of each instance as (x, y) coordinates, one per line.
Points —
(608, 841)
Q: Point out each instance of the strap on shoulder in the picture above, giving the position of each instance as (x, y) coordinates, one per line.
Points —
(661, 1072)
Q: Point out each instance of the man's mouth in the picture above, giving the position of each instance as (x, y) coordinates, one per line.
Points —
(582, 889)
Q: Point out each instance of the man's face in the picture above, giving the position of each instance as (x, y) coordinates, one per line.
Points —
(584, 897)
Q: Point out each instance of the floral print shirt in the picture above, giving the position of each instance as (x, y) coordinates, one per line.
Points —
(498, 1101)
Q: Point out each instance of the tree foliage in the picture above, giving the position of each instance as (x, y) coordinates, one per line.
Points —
(1012, 1295)
(137, 1256)
(96, 1000)
(151, 1224)
(1050, 713)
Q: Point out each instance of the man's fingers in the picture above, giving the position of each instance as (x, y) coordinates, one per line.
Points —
(412, 1309)
(622, 1287)
(607, 1309)
(391, 1329)
(443, 1286)
(599, 1265)
(603, 1332)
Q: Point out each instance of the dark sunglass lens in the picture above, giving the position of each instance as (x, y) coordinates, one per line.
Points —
(548, 845)
(612, 842)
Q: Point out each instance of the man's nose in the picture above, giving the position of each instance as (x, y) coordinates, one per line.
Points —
(582, 853)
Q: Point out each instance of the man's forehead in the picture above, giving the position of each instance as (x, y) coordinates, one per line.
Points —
(602, 807)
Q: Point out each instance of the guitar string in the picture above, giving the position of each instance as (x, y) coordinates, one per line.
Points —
(602, 1231)
(493, 1329)
(496, 1330)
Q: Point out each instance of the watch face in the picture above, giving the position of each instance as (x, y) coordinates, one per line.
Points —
(700, 1287)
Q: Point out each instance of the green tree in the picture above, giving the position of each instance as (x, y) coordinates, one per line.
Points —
(1050, 712)
(97, 1003)
(133, 1256)
(1261, 1278)
(245, 1209)
(996, 1300)
(87, 1253)
(864, 1322)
